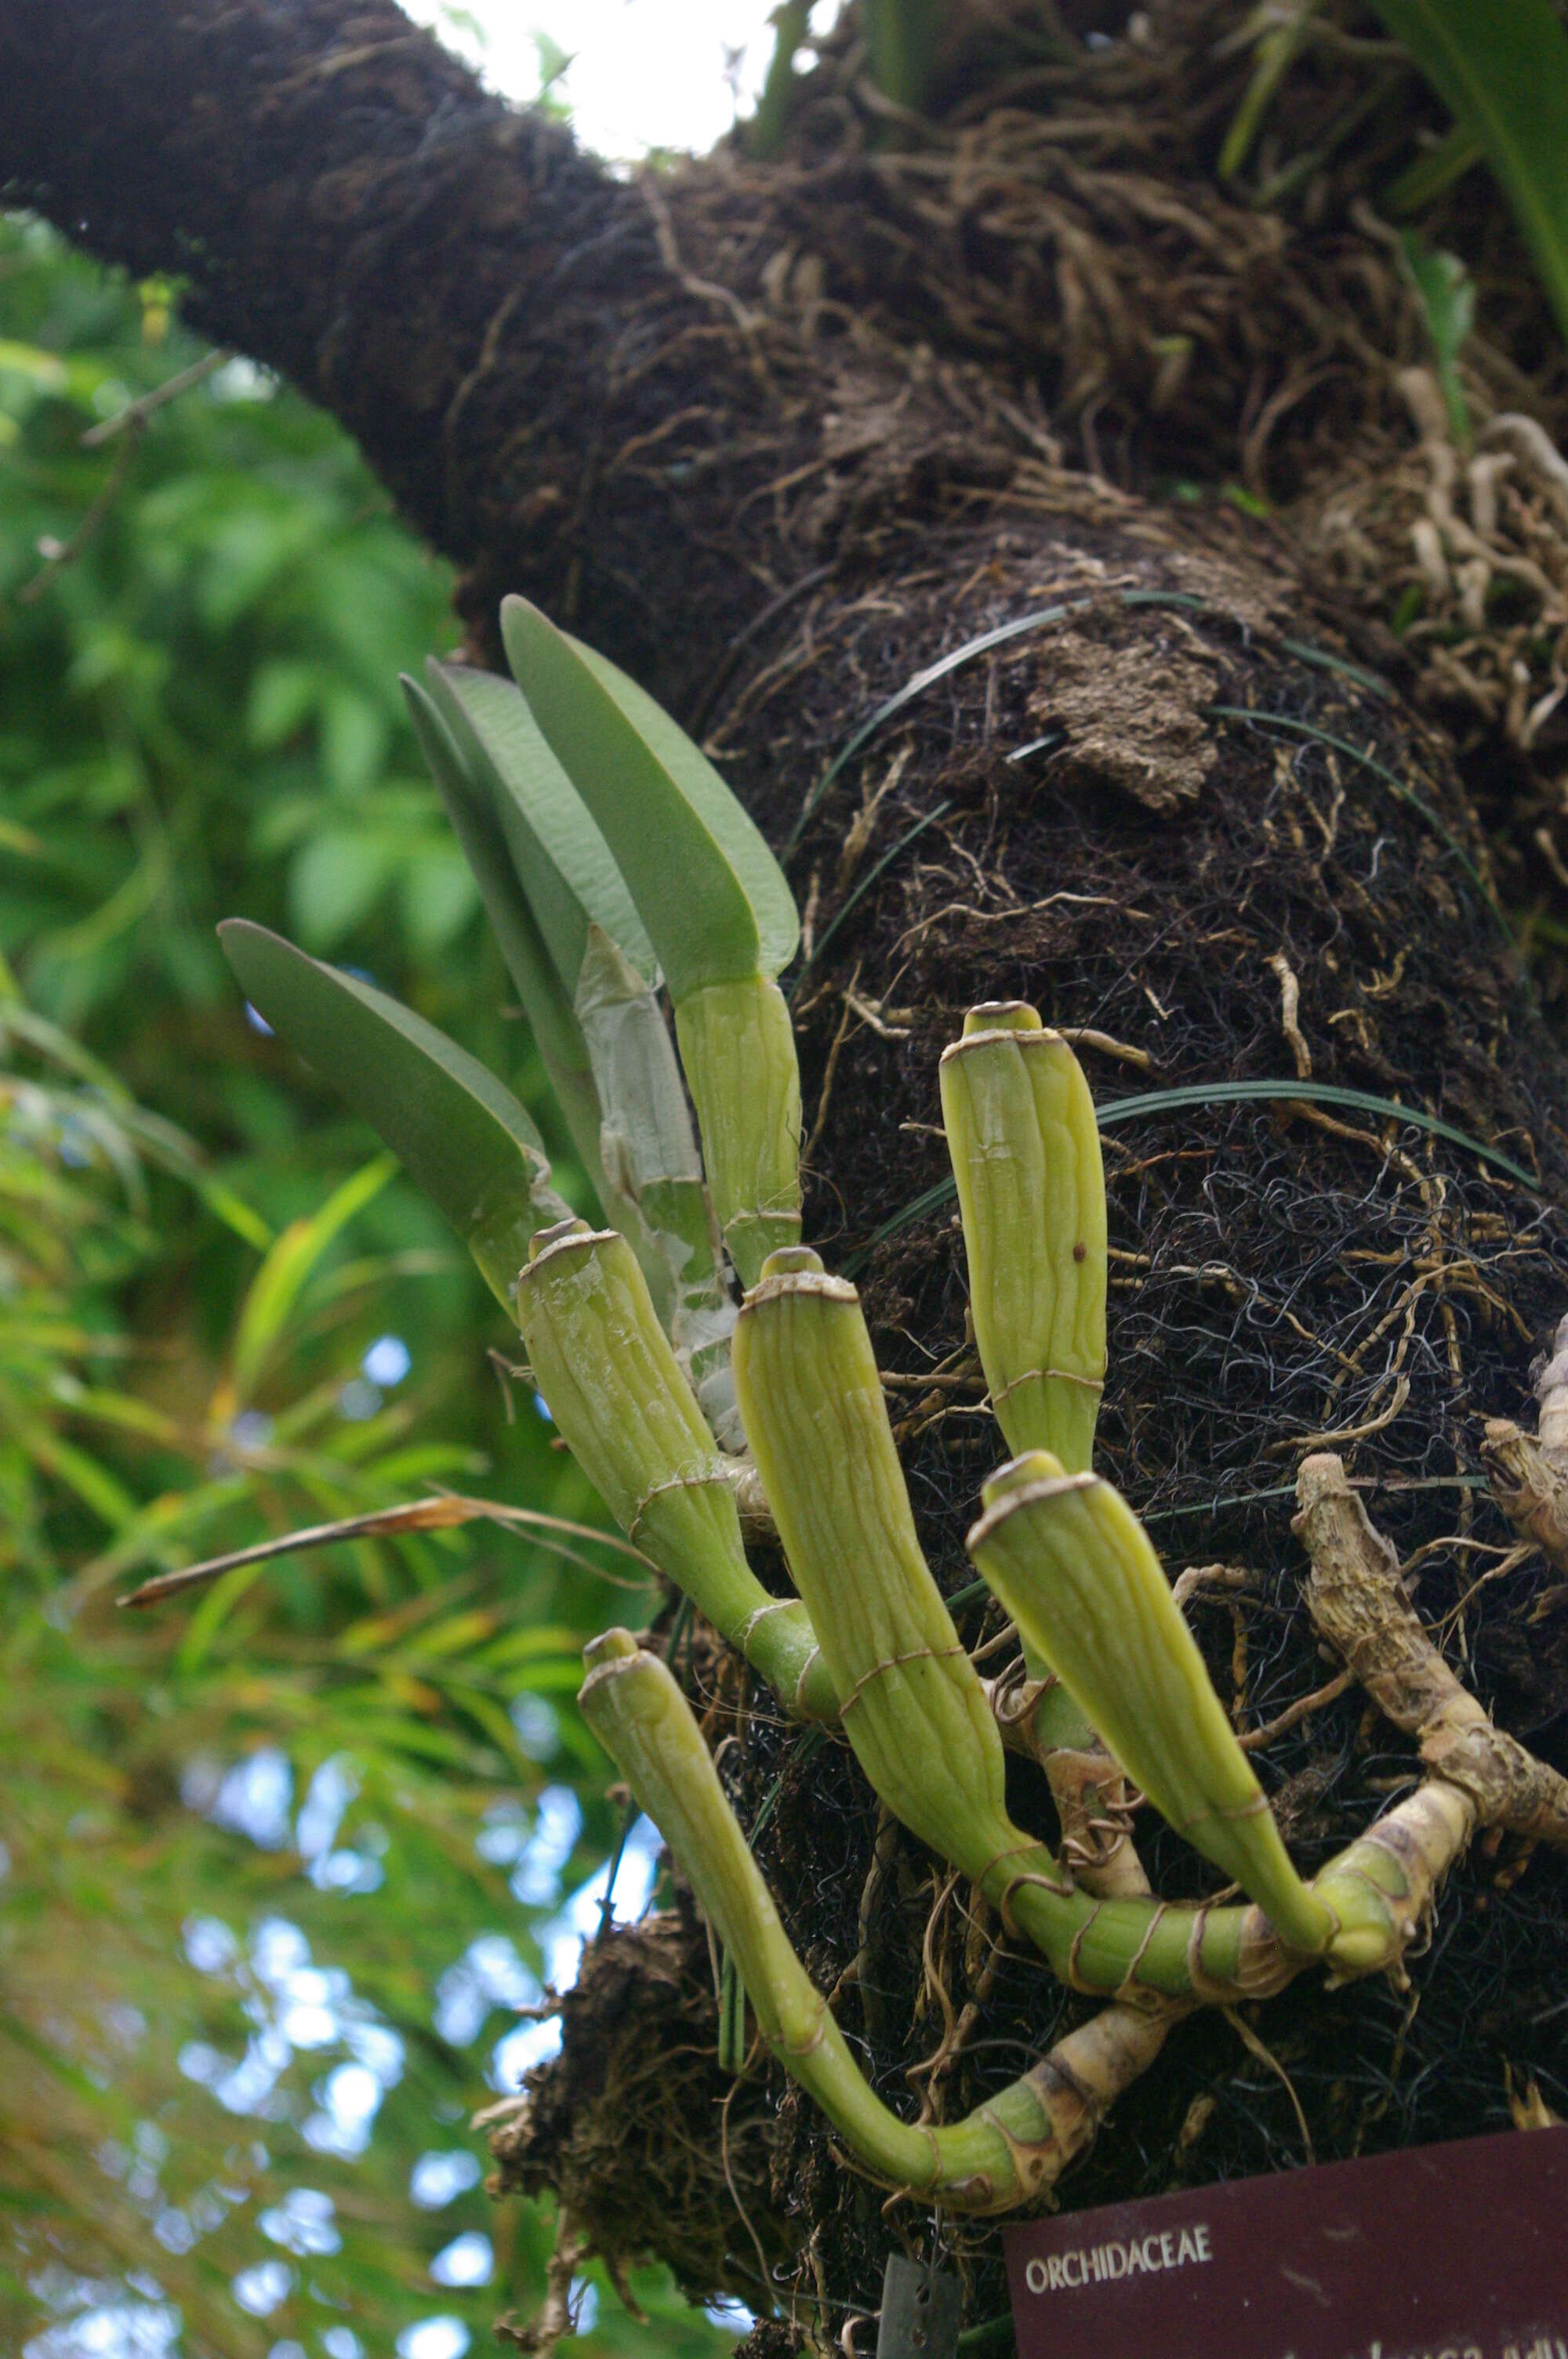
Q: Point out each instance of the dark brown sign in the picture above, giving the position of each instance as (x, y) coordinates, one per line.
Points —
(1445, 2252)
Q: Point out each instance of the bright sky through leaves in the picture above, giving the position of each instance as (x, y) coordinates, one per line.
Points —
(643, 74)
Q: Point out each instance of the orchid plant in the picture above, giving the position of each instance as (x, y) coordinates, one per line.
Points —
(698, 1358)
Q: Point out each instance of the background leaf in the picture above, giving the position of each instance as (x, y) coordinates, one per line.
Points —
(1503, 72)
(284, 1836)
(276, 1286)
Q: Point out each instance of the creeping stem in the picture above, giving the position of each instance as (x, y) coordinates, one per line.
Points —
(912, 1702)
(913, 1705)
(1025, 1150)
(1016, 2145)
(1009, 2150)
(1024, 1144)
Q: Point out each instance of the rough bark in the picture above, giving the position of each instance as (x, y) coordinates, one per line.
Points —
(778, 511)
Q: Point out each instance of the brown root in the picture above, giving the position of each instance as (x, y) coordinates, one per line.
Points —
(1530, 1475)
(1359, 1606)
(1530, 1486)
(542, 2335)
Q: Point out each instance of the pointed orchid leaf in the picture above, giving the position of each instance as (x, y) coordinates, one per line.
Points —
(561, 860)
(461, 1136)
(551, 1019)
(714, 900)
(545, 1004)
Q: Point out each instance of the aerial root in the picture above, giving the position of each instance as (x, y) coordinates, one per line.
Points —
(1360, 1608)
(1095, 1799)
(1530, 1472)
(554, 2325)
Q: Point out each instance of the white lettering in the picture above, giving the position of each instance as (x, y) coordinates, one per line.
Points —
(1172, 2249)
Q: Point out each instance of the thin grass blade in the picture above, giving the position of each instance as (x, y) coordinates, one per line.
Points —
(275, 1291)
(1207, 1093)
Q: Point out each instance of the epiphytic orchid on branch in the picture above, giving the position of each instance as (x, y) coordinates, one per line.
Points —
(618, 871)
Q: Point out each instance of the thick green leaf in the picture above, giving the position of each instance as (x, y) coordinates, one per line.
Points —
(714, 901)
(1502, 67)
(561, 860)
(551, 1017)
(766, 886)
(461, 1136)
(545, 1002)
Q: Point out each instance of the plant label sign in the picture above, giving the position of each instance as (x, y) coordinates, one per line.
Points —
(1444, 2252)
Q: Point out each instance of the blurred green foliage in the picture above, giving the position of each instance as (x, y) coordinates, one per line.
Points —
(279, 1862)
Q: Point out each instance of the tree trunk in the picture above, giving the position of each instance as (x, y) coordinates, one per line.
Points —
(779, 493)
